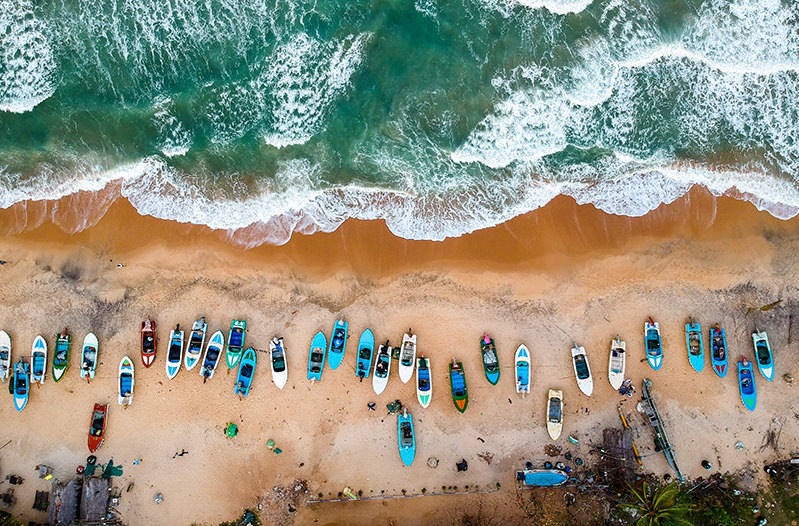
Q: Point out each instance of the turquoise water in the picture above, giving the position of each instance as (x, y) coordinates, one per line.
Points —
(440, 117)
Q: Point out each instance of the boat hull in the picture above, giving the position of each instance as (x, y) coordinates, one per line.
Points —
(366, 343)
(457, 382)
(582, 370)
(718, 342)
(763, 355)
(277, 351)
(695, 346)
(97, 425)
(246, 372)
(62, 347)
(335, 353)
(407, 357)
(38, 360)
(424, 383)
(543, 477)
(654, 345)
(21, 384)
(522, 367)
(194, 349)
(617, 363)
(235, 343)
(126, 381)
(407, 451)
(89, 367)
(746, 385)
(490, 365)
(5, 356)
(380, 381)
(174, 359)
(318, 347)
(215, 347)
(554, 413)
(148, 342)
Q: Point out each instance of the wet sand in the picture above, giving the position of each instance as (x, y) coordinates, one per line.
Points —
(564, 273)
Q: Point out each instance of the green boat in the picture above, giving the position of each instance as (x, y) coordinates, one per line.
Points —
(457, 380)
(61, 355)
(490, 362)
(235, 343)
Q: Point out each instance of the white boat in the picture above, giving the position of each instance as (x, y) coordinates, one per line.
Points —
(174, 355)
(88, 356)
(5, 355)
(38, 360)
(582, 371)
(554, 413)
(522, 361)
(213, 352)
(194, 350)
(424, 381)
(126, 381)
(407, 356)
(617, 363)
(382, 368)
(280, 372)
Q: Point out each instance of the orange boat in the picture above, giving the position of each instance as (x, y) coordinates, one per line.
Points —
(97, 426)
(148, 342)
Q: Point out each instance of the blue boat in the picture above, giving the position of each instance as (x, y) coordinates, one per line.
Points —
(246, 372)
(20, 382)
(718, 350)
(763, 355)
(522, 370)
(406, 438)
(696, 349)
(746, 384)
(338, 343)
(316, 356)
(366, 349)
(541, 477)
(654, 347)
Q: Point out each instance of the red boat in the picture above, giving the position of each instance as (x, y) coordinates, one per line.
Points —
(148, 342)
(97, 426)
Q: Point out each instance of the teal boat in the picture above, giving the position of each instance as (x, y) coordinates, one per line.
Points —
(696, 350)
(235, 343)
(718, 350)
(338, 344)
(20, 383)
(490, 361)
(542, 477)
(406, 438)
(746, 384)
(246, 372)
(61, 355)
(316, 356)
(366, 349)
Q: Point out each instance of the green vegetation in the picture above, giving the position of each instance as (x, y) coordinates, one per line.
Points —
(250, 518)
(665, 506)
(7, 520)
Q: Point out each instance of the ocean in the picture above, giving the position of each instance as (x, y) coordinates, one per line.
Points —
(439, 117)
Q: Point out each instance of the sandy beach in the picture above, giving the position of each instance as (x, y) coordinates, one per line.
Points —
(565, 273)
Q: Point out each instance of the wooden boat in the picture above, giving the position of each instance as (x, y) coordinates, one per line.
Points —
(763, 355)
(407, 359)
(382, 368)
(213, 351)
(280, 373)
(246, 372)
(89, 356)
(424, 381)
(194, 350)
(126, 381)
(746, 384)
(235, 343)
(617, 362)
(457, 382)
(338, 344)
(718, 350)
(693, 341)
(542, 477)
(522, 366)
(5, 355)
(316, 356)
(148, 342)
(490, 359)
(654, 346)
(38, 360)
(582, 370)
(406, 438)
(61, 355)
(366, 349)
(20, 384)
(554, 413)
(174, 356)
(97, 427)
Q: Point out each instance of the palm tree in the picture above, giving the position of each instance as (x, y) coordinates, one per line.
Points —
(661, 507)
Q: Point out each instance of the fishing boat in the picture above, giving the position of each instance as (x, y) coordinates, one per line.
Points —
(522, 370)
(718, 350)
(246, 372)
(696, 350)
(765, 360)
(38, 360)
(20, 383)
(213, 351)
(61, 354)
(88, 356)
(490, 360)
(148, 342)
(554, 413)
(126, 381)
(97, 427)
(382, 368)
(235, 343)
(424, 381)
(406, 438)
(457, 381)
(746, 384)
(338, 344)
(5, 355)
(542, 477)
(366, 349)
(174, 357)
(407, 359)
(316, 356)
(654, 347)
(582, 370)
(617, 362)
(194, 350)
(280, 373)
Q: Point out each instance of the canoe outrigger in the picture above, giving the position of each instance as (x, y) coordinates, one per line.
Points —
(490, 360)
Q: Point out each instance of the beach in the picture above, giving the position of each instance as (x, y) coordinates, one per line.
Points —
(564, 273)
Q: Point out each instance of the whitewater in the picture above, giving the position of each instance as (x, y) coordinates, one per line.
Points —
(438, 117)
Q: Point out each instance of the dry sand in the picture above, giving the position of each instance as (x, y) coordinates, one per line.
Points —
(564, 273)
